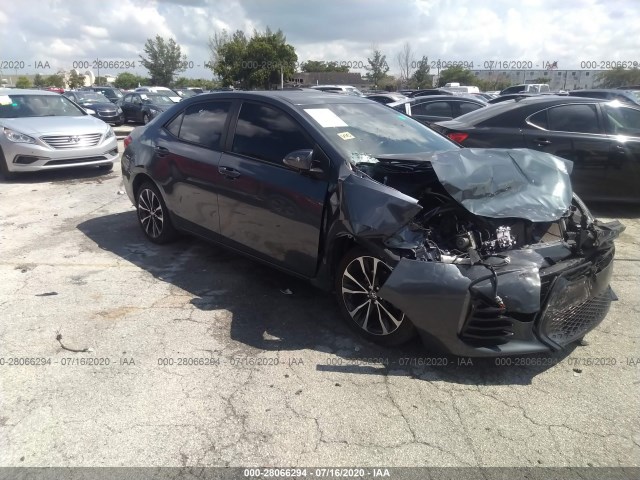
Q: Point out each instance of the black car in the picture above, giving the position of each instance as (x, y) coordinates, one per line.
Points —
(435, 108)
(481, 252)
(97, 105)
(627, 96)
(425, 92)
(601, 138)
(143, 107)
(386, 98)
(112, 93)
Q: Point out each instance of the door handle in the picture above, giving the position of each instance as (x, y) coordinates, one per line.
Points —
(541, 142)
(161, 151)
(229, 172)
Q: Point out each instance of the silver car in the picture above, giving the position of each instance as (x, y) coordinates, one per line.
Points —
(42, 130)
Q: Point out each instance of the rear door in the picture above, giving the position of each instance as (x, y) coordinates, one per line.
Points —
(187, 153)
(266, 208)
(623, 126)
(575, 132)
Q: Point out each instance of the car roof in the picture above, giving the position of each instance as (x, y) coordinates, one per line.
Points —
(293, 97)
(26, 91)
(532, 104)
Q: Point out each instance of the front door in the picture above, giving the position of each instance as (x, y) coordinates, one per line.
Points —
(266, 208)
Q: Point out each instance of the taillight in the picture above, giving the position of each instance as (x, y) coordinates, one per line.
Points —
(458, 137)
(127, 141)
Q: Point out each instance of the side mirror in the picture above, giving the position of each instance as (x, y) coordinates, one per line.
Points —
(299, 160)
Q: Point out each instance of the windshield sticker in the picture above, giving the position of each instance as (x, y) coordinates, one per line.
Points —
(5, 100)
(346, 136)
(325, 117)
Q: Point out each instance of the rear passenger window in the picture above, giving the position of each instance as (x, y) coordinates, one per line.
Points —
(573, 118)
(466, 107)
(267, 133)
(174, 125)
(436, 109)
(539, 120)
(203, 123)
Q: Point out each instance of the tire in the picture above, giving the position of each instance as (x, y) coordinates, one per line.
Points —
(363, 310)
(153, 215)
(106, 168)
(145, 118)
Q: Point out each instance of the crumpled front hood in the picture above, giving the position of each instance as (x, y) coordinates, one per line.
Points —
(496, 182)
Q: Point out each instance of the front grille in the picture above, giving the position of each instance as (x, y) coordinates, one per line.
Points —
(568, 325)
(72, 161)
(487, 324)
(62, 142)
(107, 113)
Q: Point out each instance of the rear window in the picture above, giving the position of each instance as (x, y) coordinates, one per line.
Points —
(488, 115)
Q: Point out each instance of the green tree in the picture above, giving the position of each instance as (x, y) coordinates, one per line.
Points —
(456, 74)
(542, 80)
(75, 80)
(319, 66)
(421, 78)
(254, 63)
(101, 81)
(128, 80)
(55, 81)
(228, 53)
(164, 59)
(23, 82)
(377, 68)
(39, 81)
(618, 77)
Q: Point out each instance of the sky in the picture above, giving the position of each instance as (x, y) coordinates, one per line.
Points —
(61, 34)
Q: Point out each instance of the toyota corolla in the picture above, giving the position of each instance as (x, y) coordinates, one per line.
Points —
(479, 251)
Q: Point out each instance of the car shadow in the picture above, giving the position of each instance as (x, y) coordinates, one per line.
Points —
(618, 211)
(70, 175)
(265, 317)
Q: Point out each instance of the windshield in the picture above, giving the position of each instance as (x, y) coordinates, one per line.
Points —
(156, 98)
(186, 93)
(110, 92)
(366, 131)
(92, 97)
(635, 94)
(21, 106)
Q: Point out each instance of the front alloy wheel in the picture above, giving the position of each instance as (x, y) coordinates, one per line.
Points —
(361, 276)
(153, 216)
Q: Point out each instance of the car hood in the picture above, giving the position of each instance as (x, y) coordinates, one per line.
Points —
(519, 183)
(36, 126)
(498, 183)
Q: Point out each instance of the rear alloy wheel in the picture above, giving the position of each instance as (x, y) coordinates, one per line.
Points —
(358, 281)
(153, 216)
(145, 118)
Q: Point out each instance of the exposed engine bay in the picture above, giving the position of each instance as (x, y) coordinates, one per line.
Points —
(445, 231)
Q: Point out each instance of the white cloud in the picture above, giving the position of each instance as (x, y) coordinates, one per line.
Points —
(536, 30)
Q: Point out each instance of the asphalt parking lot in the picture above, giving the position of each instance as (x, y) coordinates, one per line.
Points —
(196, 357)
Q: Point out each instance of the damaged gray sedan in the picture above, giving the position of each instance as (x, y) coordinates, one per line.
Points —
(481, 252)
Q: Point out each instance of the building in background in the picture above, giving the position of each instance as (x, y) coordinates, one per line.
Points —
(558, 79)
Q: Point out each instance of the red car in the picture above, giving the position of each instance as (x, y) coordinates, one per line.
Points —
(55, 89)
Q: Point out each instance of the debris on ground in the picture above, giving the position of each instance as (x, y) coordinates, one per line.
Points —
(59, 339)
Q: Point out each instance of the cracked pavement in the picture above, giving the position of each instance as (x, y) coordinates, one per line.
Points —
(280, 380)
